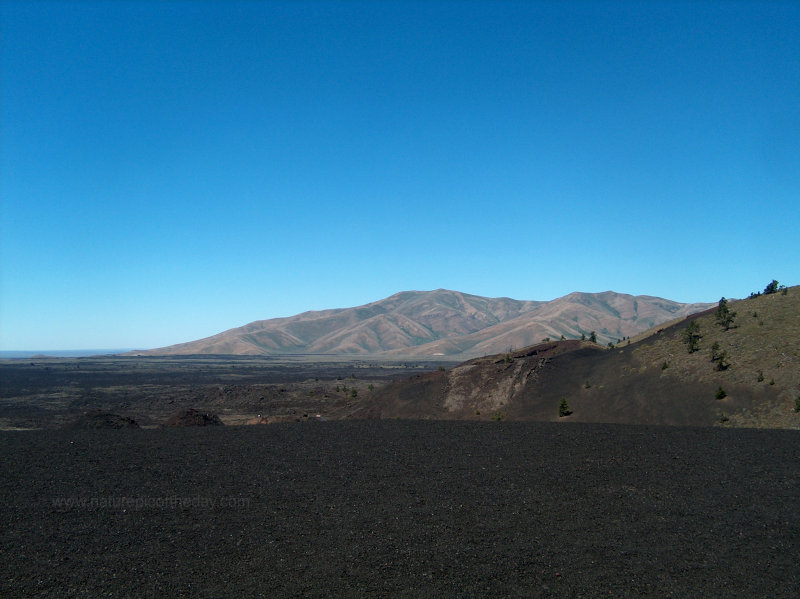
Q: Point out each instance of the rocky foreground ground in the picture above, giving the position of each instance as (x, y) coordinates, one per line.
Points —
(401, 509)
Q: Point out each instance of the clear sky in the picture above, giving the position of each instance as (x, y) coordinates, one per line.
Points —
(170, 170)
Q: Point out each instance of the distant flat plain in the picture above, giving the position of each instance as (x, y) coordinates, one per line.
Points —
(51, 392)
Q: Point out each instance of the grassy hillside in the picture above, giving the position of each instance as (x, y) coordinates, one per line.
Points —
(752, 378)
(762, 350)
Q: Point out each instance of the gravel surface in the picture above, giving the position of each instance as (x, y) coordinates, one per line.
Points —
(401, 509)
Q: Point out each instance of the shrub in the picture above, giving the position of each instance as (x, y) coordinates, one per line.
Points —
(715, 351)
(723, 361)
(720, 394)
(587, 385)
(498, 416)
(760, 376)
(563, 408)
(665, 365)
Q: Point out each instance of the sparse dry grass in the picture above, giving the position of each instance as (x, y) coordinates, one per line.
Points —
(765, 337)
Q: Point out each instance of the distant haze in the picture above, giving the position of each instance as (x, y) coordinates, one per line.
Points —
(61, 353)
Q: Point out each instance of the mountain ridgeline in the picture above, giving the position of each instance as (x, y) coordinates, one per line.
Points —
(442, 323)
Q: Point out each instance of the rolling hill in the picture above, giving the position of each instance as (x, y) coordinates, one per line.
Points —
(441, 323)
(653, 380)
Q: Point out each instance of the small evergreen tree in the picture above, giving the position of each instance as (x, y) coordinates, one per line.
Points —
(720, 394)
(772, 287)
(593, 337)
(723, 363)
(724, 315)
(715, 351)
(692, 336)
(563, 408)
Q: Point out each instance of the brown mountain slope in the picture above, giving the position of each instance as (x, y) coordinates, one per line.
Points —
(652, 381)
(441, 322)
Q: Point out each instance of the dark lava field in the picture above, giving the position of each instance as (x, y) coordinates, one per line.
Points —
(53, 393)
(401, 509)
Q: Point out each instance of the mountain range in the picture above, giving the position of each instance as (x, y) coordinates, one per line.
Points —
(442, 323)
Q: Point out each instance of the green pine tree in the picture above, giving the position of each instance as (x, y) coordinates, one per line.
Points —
(692, 336)
(563, 408)
(724, 315)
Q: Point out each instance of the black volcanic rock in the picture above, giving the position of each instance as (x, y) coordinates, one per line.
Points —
(97, 419)
(193, 417)
(401, 509)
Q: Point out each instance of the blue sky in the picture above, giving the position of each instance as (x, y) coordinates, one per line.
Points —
(169, 170)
